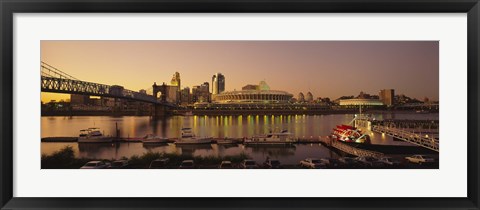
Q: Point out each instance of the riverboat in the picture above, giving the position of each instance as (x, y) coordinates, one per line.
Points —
(189, 138)
(349, 133)
(283, 137)
(93, 135)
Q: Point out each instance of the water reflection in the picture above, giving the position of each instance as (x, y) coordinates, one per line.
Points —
(215, 126)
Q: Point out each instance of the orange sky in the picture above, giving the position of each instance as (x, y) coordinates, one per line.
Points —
(325, 68)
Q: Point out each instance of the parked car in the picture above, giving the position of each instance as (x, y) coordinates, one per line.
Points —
(272, 164)
(420, 159)
(248, 164)
(187, 164)
(119, 164)
(370, 162)
(159, 163)
(312, 163)
(95, 165)
(389, 161)
(225, 165)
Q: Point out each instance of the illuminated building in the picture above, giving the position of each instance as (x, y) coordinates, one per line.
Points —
(261, 95)
(360, 101)
(218, 83)
(175, 79)
(201, 93)
(176, 82)
(387, 96)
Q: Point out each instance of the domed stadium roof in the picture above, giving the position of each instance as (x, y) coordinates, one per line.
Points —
(263, 85)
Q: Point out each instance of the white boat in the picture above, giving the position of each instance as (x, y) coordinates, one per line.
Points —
(153, 139)
(93, 135)
(189, 138)
(283, 137)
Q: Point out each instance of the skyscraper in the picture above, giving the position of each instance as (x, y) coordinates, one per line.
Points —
(387, 96)
(176, 80)
(218, 83)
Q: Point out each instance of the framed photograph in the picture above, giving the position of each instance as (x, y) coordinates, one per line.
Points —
(239, 105)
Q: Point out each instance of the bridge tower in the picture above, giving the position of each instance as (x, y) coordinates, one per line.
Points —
(160, 88)
(159, 110)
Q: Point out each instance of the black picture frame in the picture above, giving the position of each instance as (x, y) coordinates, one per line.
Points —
(10, 7)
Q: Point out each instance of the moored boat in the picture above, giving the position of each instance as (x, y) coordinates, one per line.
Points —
(349, 133)
(189, 138)
(93, 135)
(283, 137)
(153, 139)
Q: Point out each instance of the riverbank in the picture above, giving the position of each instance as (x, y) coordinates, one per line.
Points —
(231, 112)
(65, 159)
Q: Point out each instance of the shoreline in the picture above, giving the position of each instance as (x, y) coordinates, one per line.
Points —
(232, 112)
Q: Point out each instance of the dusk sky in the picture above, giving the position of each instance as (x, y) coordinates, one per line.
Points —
(325, 68)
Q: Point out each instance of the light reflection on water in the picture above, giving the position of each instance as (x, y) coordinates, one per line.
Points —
(303, 126)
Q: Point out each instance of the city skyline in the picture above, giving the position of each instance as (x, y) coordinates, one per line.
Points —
(325, 68)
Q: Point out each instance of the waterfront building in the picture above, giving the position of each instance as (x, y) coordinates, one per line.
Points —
(387, 96)
(261, 95)
(218, 83)
(201, 93)
(301, 98)
(172, 94)
(360, 101)
(309, 97)
(185, 96)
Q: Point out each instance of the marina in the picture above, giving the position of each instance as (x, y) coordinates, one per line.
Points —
(287, 147)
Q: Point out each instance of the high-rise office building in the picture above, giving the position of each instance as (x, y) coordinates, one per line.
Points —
(175, 80)
(387, 96)
(218, 83)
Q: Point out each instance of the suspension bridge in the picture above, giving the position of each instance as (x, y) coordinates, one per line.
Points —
(56, 81)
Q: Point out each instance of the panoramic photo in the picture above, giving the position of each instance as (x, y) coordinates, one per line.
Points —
(239, 105)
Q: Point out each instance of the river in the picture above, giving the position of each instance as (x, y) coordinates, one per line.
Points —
(303, 126)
